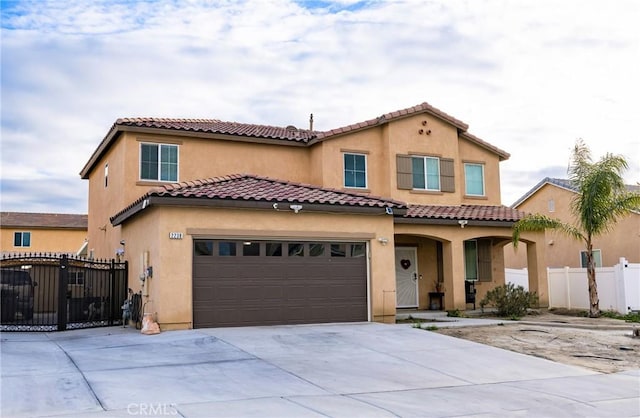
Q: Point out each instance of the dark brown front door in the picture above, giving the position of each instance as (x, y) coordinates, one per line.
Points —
(238, 283)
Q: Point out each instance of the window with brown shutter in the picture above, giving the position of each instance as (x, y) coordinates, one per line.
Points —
(404, 172)
(406, 181)
(484, 260)
(447, 179)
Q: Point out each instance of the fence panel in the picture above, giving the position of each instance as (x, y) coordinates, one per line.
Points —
(43, 292)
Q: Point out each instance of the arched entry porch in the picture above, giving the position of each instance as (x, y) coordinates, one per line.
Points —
(443, 266)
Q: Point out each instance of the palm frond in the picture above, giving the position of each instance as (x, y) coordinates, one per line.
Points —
(600, 187)
(538, 223)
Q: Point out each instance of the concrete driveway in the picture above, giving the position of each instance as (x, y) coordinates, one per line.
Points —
(337, 370)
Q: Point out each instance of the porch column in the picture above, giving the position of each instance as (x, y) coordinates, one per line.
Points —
(453, 266)
(537, 268)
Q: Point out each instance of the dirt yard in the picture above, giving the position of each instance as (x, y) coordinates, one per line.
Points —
(601, 344)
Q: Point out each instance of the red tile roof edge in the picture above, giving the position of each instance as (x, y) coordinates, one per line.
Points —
(167, 189)
(465, 212)
(43, 220)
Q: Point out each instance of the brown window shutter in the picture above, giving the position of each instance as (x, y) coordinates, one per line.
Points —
(404, 172)
(484, 260)
(447, 179)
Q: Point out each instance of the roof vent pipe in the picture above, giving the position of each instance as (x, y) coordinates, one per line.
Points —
(311, 122)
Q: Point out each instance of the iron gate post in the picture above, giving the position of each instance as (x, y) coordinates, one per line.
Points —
(63, 282)
(112, 290)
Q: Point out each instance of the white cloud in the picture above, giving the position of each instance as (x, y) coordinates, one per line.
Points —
(530, 76)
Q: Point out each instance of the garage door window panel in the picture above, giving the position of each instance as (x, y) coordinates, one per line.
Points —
(250, 249)
(203, 247)
(226, 249)
(273, 249)
(338, 250)
(316, 250)
(358, 250)
(296, 250)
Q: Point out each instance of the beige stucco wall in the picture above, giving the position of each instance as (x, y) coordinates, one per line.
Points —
(197, 159)
(382, 143)
(62, 240)
(622, 241)
(320, 164)
(169, 291)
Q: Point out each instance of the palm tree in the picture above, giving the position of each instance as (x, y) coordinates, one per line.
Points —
(601, 200)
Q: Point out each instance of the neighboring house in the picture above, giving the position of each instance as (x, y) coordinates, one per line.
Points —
(228, 223)
(552, 197)
(24, 232)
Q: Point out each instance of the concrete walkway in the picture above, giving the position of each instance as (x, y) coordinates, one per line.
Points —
(336, 370)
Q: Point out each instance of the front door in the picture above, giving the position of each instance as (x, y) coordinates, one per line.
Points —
(406, 277)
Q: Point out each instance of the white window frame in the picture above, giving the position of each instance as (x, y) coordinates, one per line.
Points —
(426, 174)
(597, 258)
(21, 239)
(159, 145)
(106, 175)
(366, 170)
(466, 181)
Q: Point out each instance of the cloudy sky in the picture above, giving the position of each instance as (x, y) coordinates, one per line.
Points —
(530, 77)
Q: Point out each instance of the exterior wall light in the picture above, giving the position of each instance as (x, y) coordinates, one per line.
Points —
(383, 240)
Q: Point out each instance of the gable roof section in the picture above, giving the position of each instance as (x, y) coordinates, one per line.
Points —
(255, 192)
(483, 215)
(398, 114)
(42, 220)
(563, 184)
(289, 135)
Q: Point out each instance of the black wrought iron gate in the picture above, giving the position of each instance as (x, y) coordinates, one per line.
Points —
(43, 292)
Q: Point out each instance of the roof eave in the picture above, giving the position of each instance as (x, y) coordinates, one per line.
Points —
(149, 201)
(117, 128)
(382, 120)
(536, 188)
(454, 222)
(503, 155)
(104, 145)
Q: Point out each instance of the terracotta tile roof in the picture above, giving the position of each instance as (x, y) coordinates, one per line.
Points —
(388, 117)
(504, 155)
(284, 135)
(465, 212)
(564, 184)
(214, 126)
(43, 220)
(251, 188)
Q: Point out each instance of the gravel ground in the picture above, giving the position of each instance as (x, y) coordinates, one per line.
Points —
(601, 344)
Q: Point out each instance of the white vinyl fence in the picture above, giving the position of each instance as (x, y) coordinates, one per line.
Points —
(618, 286)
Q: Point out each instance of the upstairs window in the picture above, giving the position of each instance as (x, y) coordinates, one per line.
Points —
(425, 173)
(474, 179)
(597, 258)
(22, 239)
(551, 205)
(355, 171)
(159, 162)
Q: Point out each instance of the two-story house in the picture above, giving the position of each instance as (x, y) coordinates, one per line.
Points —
(27, 232)
(228, 223)
(552, 197)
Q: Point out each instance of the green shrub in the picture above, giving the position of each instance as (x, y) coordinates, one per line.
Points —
(630, 317)
(456, 313)
(509, 300)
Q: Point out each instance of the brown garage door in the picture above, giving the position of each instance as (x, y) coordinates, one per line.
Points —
(238, 283)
